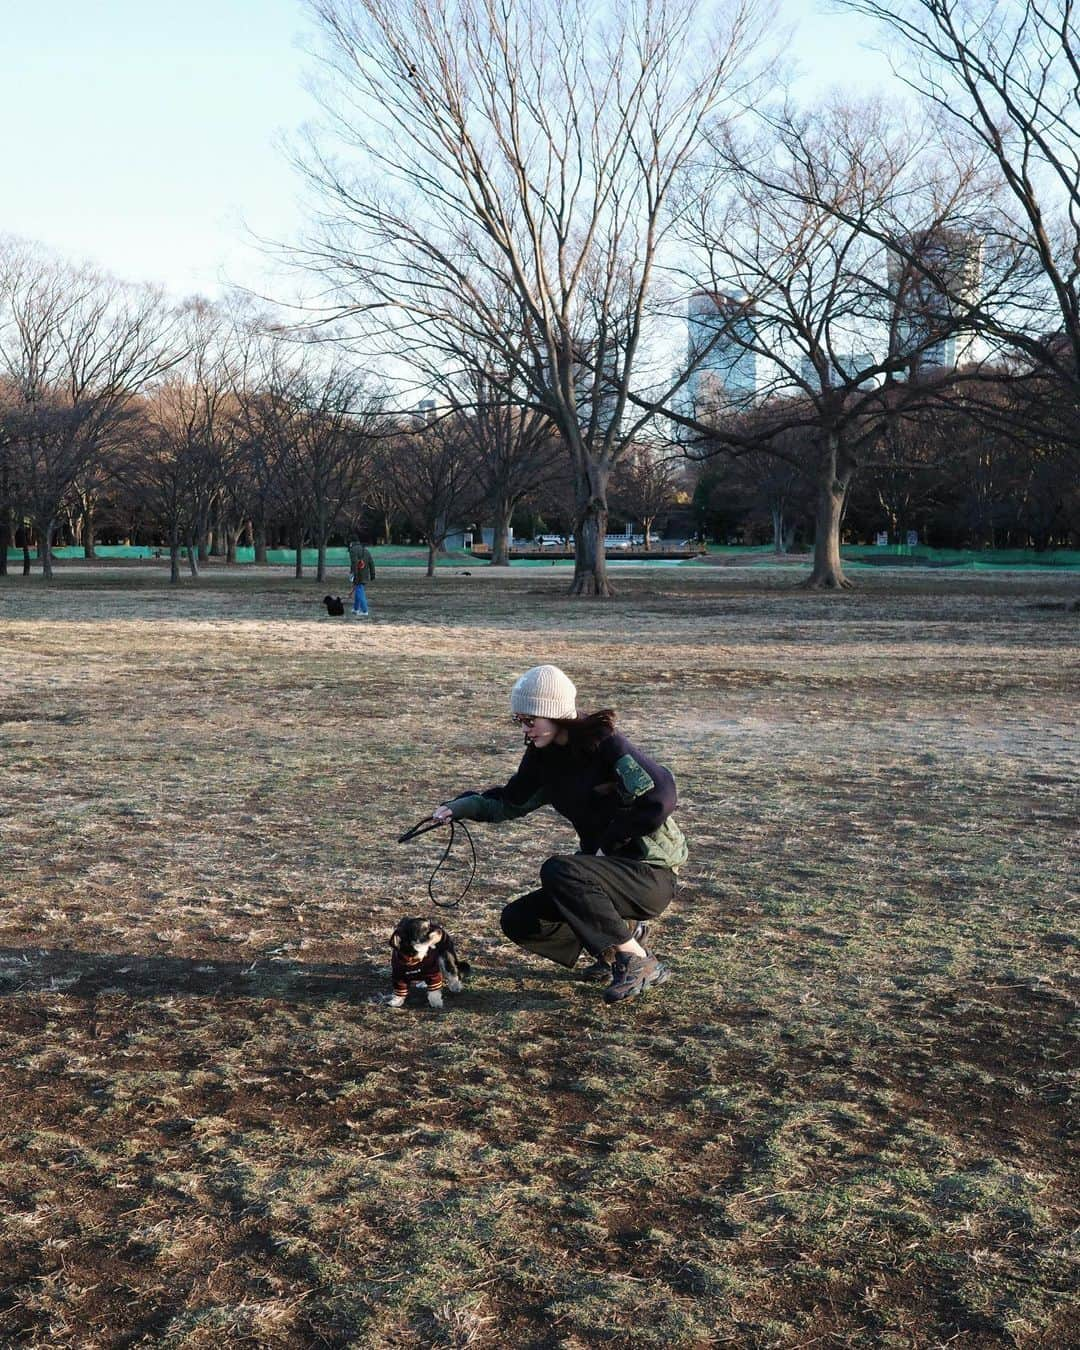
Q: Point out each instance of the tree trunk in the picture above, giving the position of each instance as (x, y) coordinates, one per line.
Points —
(500, 534)
(430, 558)
(193, 555)
(231, 537)
(833, 481)
(259, 542)
(778, 534)
(298, 570)
(591, 518)
(174, 561)
(320, 556)
(88, 533)
(5, 515)
(45, 548)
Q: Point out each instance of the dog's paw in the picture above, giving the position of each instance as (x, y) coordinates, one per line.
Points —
(387, 1000)
(453, 985)
(434, 998)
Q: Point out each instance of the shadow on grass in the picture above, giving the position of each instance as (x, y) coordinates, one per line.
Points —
(87, 974)
(75, 974)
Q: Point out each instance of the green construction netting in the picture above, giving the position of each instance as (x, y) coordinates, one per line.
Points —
(337, 558)
(405, 556)
(922, 555)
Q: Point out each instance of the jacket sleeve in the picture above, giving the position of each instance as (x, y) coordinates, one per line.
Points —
(643, 789)
(524, 792)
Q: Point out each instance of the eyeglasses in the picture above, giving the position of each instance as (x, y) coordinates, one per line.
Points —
(521, 721)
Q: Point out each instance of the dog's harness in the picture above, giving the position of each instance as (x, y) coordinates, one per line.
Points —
(422, 827)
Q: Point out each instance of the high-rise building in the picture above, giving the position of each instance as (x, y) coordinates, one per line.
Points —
(720, 339)
(843, 370)
(933, 283)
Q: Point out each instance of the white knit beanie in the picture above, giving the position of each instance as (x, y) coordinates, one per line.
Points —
(544, 691)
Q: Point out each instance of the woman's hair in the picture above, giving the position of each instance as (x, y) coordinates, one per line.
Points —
(587, 732)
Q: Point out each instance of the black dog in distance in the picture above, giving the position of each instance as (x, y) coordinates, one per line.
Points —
(334, 606)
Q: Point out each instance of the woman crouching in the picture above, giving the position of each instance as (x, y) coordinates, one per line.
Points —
(619, 801)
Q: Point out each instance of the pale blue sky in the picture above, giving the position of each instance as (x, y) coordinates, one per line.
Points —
(145, 135)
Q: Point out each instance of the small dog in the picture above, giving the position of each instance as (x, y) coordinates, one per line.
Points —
(334, 606)
(424, 956)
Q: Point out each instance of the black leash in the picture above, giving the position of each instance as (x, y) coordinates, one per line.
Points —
(422, 827)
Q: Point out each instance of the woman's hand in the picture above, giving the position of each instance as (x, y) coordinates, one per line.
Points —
(443, 815)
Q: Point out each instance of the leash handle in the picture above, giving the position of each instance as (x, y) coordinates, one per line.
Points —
(423, 827)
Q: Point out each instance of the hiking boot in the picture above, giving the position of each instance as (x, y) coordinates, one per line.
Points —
(603, 967)
(632, 975)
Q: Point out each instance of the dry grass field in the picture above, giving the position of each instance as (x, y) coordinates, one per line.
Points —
(844, 1122)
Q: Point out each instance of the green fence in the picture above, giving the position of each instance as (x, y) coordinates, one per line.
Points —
(395, 555)
(336, 558)
(101, 550)
(920, 555)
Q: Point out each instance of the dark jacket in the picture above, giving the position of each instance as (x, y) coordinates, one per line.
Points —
(361, 565)
(617, 798)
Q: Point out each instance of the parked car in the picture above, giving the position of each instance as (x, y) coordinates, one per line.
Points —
(551, 541)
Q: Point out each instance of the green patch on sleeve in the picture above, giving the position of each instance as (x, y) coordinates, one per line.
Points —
(633, 780)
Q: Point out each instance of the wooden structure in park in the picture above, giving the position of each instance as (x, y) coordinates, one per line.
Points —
(660, 552)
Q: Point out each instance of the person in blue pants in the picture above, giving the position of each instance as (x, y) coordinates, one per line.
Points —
(362, 570)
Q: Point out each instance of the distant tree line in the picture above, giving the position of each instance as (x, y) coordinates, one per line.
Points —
(972, 474)
(200, 427)
(517, 202)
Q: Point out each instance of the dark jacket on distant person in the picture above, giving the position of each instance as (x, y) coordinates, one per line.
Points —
(361, 565)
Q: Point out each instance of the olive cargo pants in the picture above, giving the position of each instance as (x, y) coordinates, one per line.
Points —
(586, 903)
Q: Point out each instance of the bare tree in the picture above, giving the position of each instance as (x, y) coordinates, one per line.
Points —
(513, 448)
(905, 467)
(10, 494)
(433, 481)
(377, 494)
(521, 157)
(89, 495)
(645, 484)
(157, 475)
(823, 257)
(75, 347)
(191, 442)
(775, 485)
(254, 481)
(1004, 74)
(334, 424)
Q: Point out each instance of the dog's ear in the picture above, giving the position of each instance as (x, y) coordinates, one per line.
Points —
(435, 934)
(395, 938)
